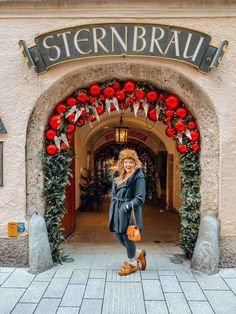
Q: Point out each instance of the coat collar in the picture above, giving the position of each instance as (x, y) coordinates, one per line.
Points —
(137, 174)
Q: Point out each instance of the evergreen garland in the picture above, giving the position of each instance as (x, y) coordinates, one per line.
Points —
(190, 192)
(56, 178)
(57, 159)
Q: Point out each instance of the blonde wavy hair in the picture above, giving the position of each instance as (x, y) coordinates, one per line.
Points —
(126, 154)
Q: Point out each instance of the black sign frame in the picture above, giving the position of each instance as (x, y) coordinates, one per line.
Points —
(99, 40)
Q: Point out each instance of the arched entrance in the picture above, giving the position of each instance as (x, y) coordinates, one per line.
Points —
(164, 78)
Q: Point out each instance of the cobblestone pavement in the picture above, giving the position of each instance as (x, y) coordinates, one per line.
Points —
(90, 284)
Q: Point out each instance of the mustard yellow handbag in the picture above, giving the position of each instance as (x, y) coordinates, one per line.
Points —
(132, 230)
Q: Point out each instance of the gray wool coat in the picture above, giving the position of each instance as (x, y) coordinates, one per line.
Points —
(133, 189)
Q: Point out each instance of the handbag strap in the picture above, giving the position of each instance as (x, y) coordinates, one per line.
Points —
(132, 219)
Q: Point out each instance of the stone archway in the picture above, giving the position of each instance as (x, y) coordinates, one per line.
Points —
(194, 98)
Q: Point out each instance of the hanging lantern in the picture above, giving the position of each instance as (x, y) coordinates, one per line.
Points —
(121, 132)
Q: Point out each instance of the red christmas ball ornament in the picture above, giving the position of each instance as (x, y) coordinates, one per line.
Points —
(179, 126)
(82, 97)
(55, 121)
(152, 115)
(192, 124)
(182, 148)
(70, 128)
(170, 131)
(169, 113)
(63, 146)
(172, 101)
(139, 94)
(162, 96)
(92, 100)
(84, 112)
(51, 149)
(152, 95)
(92, 117)
(60, 108)
(100, 109)
(167, 122)
(71, 117)
(195, 147)
(81, 122)
(121, 105)
(131, 100)
(116, 85)
(120, 95)
(50, 134)
(95, 90)
(194, 136)
(112, 107)
(69, 136)
(109, 92)
(129, 86)
(71, 101)
(102, 98)
(181, 112)
(126, 105)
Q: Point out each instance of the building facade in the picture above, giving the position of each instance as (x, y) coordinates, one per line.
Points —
(27, 100)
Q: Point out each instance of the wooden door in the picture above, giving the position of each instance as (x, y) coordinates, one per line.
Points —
(68, 221)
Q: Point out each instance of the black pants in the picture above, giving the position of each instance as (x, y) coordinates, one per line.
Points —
(128, 244)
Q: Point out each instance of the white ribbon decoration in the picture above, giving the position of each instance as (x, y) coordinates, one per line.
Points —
(145, 107)
(108, 105)
(77, 113)
(115, 102)
(180, 137)
(58, 139)
(136, 107)
(188, 134)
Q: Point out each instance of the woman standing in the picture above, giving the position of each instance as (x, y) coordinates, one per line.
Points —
(128, 189)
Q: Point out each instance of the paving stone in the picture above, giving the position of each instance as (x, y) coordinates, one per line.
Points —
(151, 262)
(47, 275)
(24, 308)
(185, 275)
(63, 273)
(177, 303)
(79, 276)
(73, 295)
(34, 292)
(112, 275)
(68, 310)
(98, 273)
(152, 290)
(105, 261)
(222, 302)
(82, 261)
(164, 263)
(123, 297)
(211, 282)
(156, 307)
(47, 306)
(166, 273)
(170, 284)
(8, 299)
(6, 269)
(20, 278)
(91, 306)
(95, 289)
(3, 277)
(149, 274)
(227, 272)
(231, 282)
(200, 307)
(192, 291)
(56, 288)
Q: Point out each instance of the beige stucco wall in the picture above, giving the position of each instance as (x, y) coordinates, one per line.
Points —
(21, 88)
